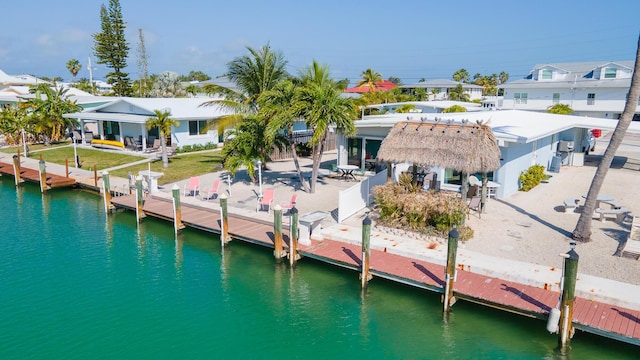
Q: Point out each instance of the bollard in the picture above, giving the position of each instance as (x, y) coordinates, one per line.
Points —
(365, 275)
(16, 168)
(293, 236)
(177, 212)
(224, 220)
(278, 253)
(566, 329)
(66, 167)
(106, 190)
(42, 167)
(95, 175)
(450, 271)
(139, 200)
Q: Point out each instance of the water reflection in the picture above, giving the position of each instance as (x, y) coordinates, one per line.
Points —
(142, 242)
(179, 257)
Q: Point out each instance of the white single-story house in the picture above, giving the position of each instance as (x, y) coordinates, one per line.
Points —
(126, 116)
(525, 138)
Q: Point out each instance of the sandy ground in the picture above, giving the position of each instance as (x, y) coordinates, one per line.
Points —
(532, 226)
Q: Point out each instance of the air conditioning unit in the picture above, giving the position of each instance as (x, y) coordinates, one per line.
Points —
(565, 146)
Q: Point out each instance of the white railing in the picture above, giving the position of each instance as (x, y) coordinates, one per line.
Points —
(357, 197)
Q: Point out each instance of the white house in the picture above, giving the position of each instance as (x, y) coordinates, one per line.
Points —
(597, 89)
(525, 138)
(439, 89)
(125, 116)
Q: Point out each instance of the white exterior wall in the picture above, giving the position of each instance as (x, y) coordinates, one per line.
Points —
(181, 135)
(607, 100)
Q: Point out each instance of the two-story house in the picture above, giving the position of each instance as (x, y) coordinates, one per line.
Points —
(596, 89)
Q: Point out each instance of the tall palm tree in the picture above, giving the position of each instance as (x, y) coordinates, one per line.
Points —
(370, 79)
(74, 67)
(252, 74)
(280, 106)
(163, 122)
(582, 232)
(323, 107)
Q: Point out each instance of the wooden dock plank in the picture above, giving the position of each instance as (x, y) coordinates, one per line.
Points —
(519, 298)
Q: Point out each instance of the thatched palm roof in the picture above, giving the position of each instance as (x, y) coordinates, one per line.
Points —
(466, 147)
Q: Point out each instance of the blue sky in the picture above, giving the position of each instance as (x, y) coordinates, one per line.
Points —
(406, 39)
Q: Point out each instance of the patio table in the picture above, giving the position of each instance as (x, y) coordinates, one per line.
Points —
(600, 198)
(347, 171)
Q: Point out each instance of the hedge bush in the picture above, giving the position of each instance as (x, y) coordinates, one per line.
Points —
(197, 147)
(401, 206)
(531, 178)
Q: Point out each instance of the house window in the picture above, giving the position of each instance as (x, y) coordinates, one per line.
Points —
(198, 127)
(520, 98)
(556, 98)
(610, 73)
(547, 74)
(591, 99)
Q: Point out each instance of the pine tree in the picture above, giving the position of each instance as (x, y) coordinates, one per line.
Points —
(111, 48)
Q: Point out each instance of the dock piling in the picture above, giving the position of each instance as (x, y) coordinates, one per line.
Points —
(365, 274)
(278, 253)
(450, 270)
(107, 192)
(293, 236)
(42, 167)
(177, 212)
(16, 168)
(139, 201)
(566, 329)
(224, 220)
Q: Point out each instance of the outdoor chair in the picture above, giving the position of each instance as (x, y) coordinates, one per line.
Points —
(266, 201)
(475, 204)
(193, 188)
(212, 192)
(88, 136)
(288, 206)
(154, 147)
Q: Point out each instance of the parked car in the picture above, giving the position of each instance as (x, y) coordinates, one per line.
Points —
(591, 143)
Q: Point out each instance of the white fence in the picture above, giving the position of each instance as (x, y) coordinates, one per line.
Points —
(357, 197)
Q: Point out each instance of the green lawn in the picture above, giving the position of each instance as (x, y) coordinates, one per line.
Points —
(181, 166)
(32, 147)
(88, 157)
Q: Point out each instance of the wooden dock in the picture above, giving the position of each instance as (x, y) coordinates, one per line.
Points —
(27, 174)
(590, 316)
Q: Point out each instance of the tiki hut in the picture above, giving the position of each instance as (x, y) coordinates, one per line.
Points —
(463, 146)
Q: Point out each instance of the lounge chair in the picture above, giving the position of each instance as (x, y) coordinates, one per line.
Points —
(154, 147)
(212, 192)
(475, 204)
(288, 206)
(193, 188)
(632, 245)
(266, 201)
(88, 136)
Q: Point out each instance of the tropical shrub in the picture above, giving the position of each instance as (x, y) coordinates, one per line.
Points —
(197, 147)
(531, 178)
(455, 109)
(402, 206)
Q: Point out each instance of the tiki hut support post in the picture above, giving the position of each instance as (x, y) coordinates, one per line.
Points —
(414, 174)
(389, 172)
(464, 185)
(483, 200)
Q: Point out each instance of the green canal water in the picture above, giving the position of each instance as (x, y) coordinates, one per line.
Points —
(77, 284)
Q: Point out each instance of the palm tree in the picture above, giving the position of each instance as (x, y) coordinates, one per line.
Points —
(370, 79)
(582, 232)
(248, 143)
(163, 122)
(458, 94)
(322, 108)
(461, 75)
(47, 108)
(74, 67)
(252, 74)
